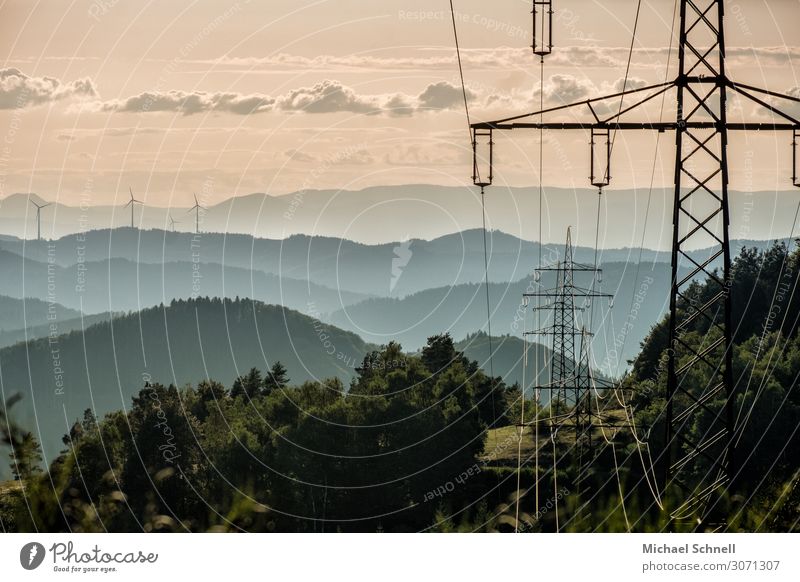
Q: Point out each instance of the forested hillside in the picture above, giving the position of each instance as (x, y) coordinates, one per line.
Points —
(182, 342)
(405, 446)
(263, 456)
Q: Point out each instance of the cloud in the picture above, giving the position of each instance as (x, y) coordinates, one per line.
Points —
(328, 96)
(298, 156)
(499, 57)
(189, 103)
(399, 106)
(631, 83)
(442, 95)
(558, 90)
(791, 108)
(324, 97)
(353, 156)
(566, 89)
(18, 90)
(417, 155)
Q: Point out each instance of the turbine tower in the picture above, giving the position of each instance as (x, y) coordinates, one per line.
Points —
(132, 202)
(39, 218)
(197, 208)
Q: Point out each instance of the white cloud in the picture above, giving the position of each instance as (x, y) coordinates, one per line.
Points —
(500, 57)
(328, 96)
(791, 108)
(189, 103)
(566, 89)
(442, 95)
(18, 90)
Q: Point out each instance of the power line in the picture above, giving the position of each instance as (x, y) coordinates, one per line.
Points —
(483, 219)
(461, 69)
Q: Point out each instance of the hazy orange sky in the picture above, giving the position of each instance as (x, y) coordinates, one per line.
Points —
(274, 96)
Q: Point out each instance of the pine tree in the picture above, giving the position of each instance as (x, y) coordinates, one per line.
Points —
(248, 385)
(26, 457)
(277, 379)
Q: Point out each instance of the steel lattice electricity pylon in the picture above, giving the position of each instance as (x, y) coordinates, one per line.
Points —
(571, 383)
(698, 457)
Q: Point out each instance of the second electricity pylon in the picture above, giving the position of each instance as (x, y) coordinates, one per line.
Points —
(698, 459)
(571, 382)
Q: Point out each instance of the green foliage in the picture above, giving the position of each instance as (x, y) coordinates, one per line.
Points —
(183, 342)
(766, 363)
(402, 447)
(271, 457)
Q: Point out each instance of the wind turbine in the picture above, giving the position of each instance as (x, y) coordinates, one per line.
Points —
(39, 218)
(173, 222)
(197, 208)
(133, 202)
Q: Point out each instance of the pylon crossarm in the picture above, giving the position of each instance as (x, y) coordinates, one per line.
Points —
(654, 126)
(581, 292)
(765, 105)
(542, 293)
(587, 102)
(506, 123)
(738, 86)
(622, 112)
(541, 331)
(575, 267)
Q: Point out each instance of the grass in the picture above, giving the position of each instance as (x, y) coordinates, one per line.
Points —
(7, 487)
(502, 443)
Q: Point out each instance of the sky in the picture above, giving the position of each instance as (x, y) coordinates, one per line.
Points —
(229, 98)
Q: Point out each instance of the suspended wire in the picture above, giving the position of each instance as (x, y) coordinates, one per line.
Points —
(553, 434)
(483, 206)
(483, 218)
(596, 250)
(620, 399)
(537, 320)
(594, 266)
(461, 70)
(522, 414)
(630, 418)
(611, 444)
(655, 163)
(538, 353)
(488, 301)
(628, 413)
(625, 80)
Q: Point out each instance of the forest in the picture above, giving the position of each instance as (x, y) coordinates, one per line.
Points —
(421, 442)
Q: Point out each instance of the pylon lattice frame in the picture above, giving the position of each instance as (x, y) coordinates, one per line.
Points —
(571, 381)
(700, 465)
